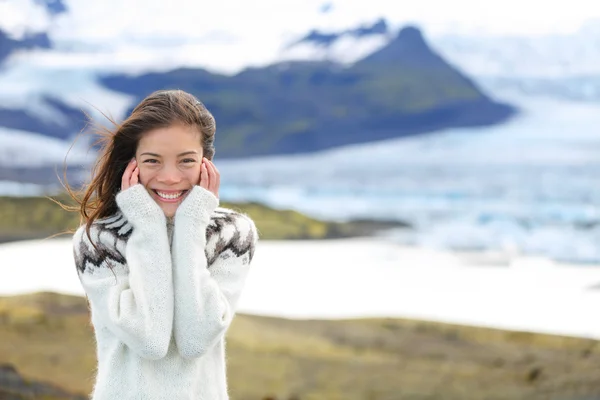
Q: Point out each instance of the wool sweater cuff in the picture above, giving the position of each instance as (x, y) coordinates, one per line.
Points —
(198, 205)
(137, 205)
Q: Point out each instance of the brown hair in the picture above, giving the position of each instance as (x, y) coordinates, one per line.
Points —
(162, 108)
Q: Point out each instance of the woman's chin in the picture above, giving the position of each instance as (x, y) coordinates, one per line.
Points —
(169, 209)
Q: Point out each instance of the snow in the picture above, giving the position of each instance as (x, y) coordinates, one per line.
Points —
(367, 277)
(26, 149)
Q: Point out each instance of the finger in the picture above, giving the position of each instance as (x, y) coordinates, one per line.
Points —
(201, 173)
(204, 179)
(211, 167)
(217, 173)
(135, 177)
(214, 176)
(127, 174)
(206, 164)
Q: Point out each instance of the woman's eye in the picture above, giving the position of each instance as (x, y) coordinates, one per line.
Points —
(151, 161)
(189, 160)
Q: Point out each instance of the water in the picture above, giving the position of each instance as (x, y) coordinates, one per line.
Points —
(529, 294)
(530, 186)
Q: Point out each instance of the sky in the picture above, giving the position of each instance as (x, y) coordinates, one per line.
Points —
(134, 18)
(228, 33)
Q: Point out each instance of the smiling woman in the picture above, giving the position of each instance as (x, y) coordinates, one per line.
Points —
(162, 265)
(170, 161)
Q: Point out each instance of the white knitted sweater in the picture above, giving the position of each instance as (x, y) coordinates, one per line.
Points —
(160, 311)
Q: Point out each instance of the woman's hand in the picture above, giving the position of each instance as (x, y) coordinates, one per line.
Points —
(131, 176)
(210, 178)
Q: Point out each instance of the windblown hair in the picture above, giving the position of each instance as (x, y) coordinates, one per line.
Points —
(160, 109)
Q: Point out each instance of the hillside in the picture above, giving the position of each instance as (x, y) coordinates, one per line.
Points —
(47, 337)
(404, 88)
(297, 107)
(13, 386)
(38, 217)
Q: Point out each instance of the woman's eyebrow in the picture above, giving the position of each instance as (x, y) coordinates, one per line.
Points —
(188, 153)
(179, 155)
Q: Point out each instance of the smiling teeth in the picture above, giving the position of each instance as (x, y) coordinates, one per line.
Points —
(169, 196)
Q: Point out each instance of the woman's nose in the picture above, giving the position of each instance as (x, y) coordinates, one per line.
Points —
(169, 175)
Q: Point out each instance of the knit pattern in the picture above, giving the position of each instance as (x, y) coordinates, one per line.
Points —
(160, 310)
(227, 231)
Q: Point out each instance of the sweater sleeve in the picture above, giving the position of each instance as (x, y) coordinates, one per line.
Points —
(134, 300)
(206, 297)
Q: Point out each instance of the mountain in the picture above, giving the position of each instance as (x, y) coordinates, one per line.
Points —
(380, 27)
(408, 50)
(538, 56)
(69, 120)
(297, 107)
(500, 55)
(564, 66)
(54, 7)
(403, 88)
(346, 46)
(559, 65)
(9, 45)
(31, 39)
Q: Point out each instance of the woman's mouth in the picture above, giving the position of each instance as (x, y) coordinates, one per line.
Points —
(169, 196)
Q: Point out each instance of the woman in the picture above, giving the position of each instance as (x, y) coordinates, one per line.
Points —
(162, 265)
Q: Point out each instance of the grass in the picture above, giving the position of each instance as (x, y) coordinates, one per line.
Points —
(48, 336)
(39, 217)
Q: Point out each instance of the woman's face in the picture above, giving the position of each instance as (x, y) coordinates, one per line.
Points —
(169, 160)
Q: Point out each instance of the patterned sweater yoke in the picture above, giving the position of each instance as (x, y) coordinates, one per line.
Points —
(227, 230)
(162, 294)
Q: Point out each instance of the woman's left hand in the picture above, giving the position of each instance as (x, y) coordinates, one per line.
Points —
(210, 178)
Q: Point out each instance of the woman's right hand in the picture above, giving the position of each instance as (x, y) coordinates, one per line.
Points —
(134, 200)
(131, 175)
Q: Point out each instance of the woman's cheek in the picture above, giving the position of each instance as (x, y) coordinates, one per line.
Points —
(143, 175)
(194, 176)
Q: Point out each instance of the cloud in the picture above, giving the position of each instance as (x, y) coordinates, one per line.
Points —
(230, 34)
(326, 7)
(268, 20)
(130, 20)
(19, 17)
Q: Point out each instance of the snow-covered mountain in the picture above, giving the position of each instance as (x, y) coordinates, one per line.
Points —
(563, 65)
(540, 56)
(545, 56)
(45, 91)
(346, 46)
(307, 29)
(50, 62)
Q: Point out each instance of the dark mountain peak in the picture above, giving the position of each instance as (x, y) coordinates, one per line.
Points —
(411, 35)
(54, 7)
(379, 27)
(319, 38)
(8, 45)
(408, 48)
(36, 40)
